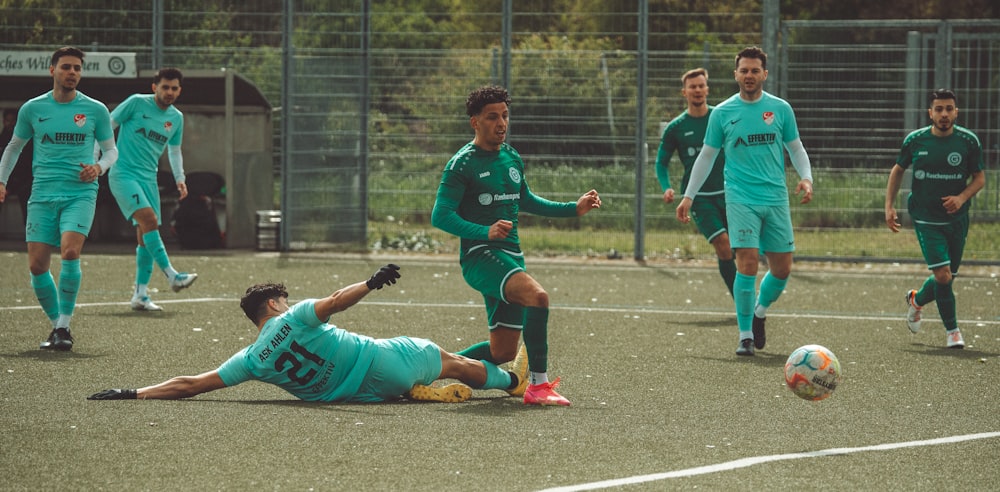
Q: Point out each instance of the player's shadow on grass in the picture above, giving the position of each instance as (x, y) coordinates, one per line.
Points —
(52, 355)
(762, 358)
(966, 353)
(147, 315)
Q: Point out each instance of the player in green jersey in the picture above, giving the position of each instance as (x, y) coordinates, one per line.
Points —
(149, 124)
(685, 134)
(947, 164)
(754, 129)
(64, 125)
(482, 190)
(299, 351)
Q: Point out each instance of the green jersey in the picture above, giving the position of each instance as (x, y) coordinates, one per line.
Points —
(753, 136)
(305, 356)
(145, 131)
(941, 167)
(64, 135)
(479, 187)
(685, 134)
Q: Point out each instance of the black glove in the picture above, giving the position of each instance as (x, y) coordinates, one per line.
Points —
(114, 394)
(384, 276)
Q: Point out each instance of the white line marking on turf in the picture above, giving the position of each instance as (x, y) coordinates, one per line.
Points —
(747, 462)
(607, 309)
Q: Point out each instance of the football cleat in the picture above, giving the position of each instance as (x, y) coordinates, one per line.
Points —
(144, 303)
(59, 339)
(745, 347)
(544, 394)
(452, 393)
(759, 335)
(955, 340)
(913, 312)
(520, 369)
(182, 281)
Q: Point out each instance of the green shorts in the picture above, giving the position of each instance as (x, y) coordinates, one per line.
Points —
(709, 214)
(943, 244)
(764, 227)
(487, 269)
(133, 194)
(399, 363)
(49, 218)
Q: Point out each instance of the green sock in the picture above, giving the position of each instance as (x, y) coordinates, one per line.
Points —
(727, 268)
(536, 338)
(926, 293)
(744, 289)
(143, 265)
(45, 291)
(69, 286)
(496, 378)
(771, 288)
(154, 244)
(945, 297)
(479, 351)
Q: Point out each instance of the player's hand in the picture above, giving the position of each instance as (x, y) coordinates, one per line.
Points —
(952, 204)
(500, 229)
(114, 394)
(806, 188)
(384, 276)
(89, 172)
(589, 201)
(668, 196)
(182, 188)
(684, 210)
(892, 220)
(3, 192)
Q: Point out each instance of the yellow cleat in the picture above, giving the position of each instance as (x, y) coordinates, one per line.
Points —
(452, 393)
(520, 369)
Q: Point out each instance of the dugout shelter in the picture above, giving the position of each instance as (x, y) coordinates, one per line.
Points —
(227, 131)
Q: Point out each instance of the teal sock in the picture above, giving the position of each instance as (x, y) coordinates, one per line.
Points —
(496, 378)
(771, 288)
(727, 268)
(926, 294)
(143, 266)
(45, 291)
(744, 289)
(479, 351)
(945, 297)
(536, 338)
(154, 244)
(69, 286)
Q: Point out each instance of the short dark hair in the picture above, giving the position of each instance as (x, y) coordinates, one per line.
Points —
(752, 52)
(254, 301)
(66, 51)
(941, 94)
(694, 72)
(169, 73)
(482, 96)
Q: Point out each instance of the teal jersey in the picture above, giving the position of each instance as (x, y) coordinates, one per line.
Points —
(64, 136)
(941, 167)
(753, 136)
(305, 356)
(480, 187)
(685, 134)
(145, 132)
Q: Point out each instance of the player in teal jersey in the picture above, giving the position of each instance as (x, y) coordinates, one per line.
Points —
(947, 164)
(685, 134)
(754, 129)
(63, 125)
(482, 190)
(149, 124)
(301, 352)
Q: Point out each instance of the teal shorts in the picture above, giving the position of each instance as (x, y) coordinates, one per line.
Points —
(133, 194)
(709, 214)
(399, 363)
(767, 228)
(49, 218)
(943, 244)
(487, 269)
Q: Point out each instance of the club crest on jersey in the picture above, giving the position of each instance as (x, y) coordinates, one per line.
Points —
(954, 159)
(514, 175)
(168, 126)
(80, 120)
(768, 117)
(485, 198)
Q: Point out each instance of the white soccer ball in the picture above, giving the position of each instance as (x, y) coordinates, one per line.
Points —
(812, 372)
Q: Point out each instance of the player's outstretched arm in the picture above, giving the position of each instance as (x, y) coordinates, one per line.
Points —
(350, 295)
(172, 389)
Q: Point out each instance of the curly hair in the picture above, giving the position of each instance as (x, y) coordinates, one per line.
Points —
(482, 96)
(169, 73)
(254, 301)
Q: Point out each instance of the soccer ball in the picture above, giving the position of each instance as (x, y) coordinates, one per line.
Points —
(812, 372)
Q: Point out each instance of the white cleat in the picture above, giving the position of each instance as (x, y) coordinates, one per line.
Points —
(144, 303)
(955, 340)
(182, 281)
